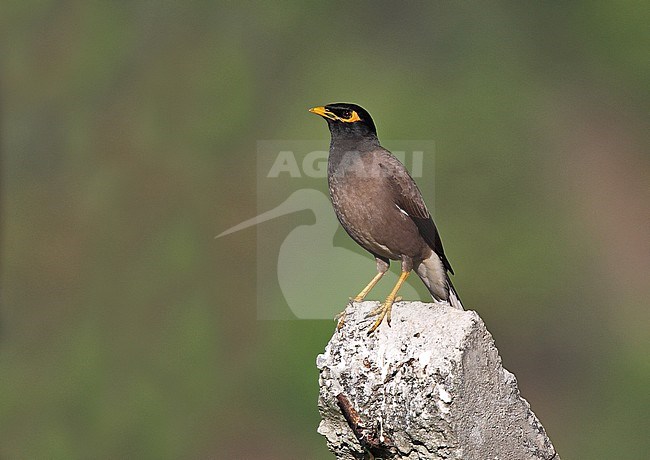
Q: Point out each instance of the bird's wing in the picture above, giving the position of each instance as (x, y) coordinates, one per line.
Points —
(408, 198)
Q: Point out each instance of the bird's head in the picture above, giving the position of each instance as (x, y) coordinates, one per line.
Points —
(347, 120)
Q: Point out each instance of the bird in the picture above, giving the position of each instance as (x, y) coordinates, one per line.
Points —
(381, 208)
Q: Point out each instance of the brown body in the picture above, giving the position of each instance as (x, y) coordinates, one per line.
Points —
(379, 205)
(371, 191)
(361, 194)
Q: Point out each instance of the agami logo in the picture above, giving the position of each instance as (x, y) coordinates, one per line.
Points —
(314, 268)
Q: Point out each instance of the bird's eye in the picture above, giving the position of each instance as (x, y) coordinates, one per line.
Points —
(347, 114)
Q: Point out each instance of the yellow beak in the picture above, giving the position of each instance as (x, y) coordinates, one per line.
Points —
(322, 111)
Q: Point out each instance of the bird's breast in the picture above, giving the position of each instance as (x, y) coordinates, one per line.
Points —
(365, 207)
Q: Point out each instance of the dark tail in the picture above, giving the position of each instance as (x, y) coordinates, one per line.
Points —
(454, 300)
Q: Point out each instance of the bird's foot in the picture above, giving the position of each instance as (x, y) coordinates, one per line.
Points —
(340, 319)
(382, 312)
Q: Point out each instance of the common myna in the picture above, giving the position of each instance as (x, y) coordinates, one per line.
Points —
(379, 205)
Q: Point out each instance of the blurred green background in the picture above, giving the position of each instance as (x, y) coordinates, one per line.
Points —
(128, 135)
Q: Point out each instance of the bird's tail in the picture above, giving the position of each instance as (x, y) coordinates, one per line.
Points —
(435, 277)
(454, 300)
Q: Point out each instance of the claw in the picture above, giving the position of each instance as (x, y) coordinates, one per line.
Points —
(340, 320)
(384, 311)
(375, 312)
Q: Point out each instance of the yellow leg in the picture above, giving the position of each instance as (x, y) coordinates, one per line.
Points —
(362, 295)
(359, 298)
(385, 309)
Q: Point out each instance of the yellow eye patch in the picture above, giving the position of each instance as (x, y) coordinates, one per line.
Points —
(354, 116)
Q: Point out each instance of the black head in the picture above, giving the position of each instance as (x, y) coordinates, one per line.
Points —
(347, 120)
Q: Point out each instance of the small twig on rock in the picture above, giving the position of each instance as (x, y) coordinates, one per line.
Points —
(375, 442)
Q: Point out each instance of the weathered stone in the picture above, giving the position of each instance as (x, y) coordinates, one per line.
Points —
(431, 386)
